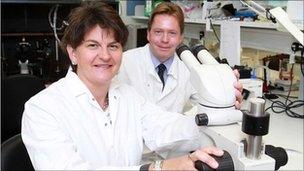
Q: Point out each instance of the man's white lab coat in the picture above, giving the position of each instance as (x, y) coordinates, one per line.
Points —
(138, 71)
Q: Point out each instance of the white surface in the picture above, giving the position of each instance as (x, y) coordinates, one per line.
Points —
(283, 19)
(287, 132)
(294, 8)
(231, 42)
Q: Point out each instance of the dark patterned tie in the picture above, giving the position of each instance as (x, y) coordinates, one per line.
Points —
(161, 70)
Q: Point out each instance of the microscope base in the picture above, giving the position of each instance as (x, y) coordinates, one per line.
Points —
(231, 138)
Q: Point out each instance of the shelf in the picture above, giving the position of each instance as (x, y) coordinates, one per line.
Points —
(26, 34)
(247, 24)
(140, 17)
(42, 1)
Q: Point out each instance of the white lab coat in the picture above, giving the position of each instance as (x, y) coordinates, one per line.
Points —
(63, 127)
(138, 71)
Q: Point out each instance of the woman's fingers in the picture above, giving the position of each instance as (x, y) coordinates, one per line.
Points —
(204, 155)
(213, 150)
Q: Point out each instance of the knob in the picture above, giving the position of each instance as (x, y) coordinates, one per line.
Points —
(225, 163)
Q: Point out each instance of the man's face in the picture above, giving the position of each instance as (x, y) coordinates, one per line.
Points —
(164, 36)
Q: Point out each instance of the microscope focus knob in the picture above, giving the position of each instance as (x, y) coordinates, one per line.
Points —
(225, 163)
(201, 119)
(278, 154)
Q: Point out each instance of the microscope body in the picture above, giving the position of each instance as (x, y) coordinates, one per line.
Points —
(214, 85)
(220, 120)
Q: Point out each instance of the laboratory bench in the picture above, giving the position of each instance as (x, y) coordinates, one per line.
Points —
(287, 132)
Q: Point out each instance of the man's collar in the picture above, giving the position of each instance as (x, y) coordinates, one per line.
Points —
(156, 61)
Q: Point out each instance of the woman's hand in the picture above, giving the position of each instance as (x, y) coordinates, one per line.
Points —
(187, 162)
(238, 92)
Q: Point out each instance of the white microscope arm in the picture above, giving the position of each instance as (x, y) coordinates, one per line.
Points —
(278, 14)
(214, 85)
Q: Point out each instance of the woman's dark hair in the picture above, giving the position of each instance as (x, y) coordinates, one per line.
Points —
(84, 18)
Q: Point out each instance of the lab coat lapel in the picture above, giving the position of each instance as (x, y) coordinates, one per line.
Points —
(113, 100)
(149, 64)
(171, 81)
(152, 79)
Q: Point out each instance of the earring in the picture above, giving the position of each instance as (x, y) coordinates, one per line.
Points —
(74, 63)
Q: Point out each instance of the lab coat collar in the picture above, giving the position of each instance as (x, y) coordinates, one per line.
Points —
(174, 67)
(78, 88)
(148, 61)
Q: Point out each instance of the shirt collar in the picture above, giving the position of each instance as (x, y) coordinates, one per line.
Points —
(156, 62)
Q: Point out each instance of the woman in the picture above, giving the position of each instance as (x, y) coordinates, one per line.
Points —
(88, 121)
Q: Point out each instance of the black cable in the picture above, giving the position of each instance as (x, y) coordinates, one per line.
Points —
(270, 17)
(284, 96)
(302, 61)
(211, 24)
(280, 107)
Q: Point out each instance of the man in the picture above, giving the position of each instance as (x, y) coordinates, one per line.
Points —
(142, 66)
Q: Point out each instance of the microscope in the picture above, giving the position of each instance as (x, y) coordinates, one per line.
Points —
(243, 150)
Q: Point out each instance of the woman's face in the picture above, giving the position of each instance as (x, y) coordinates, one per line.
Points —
(98, 57)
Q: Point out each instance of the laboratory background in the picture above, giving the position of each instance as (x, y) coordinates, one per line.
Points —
(263, 40)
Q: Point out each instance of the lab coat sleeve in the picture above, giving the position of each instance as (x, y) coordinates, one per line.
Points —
(48, 144)
(164, 131)
(190, 107)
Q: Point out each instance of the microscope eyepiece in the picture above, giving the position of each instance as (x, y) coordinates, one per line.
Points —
(180, 48)
(197, 48)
